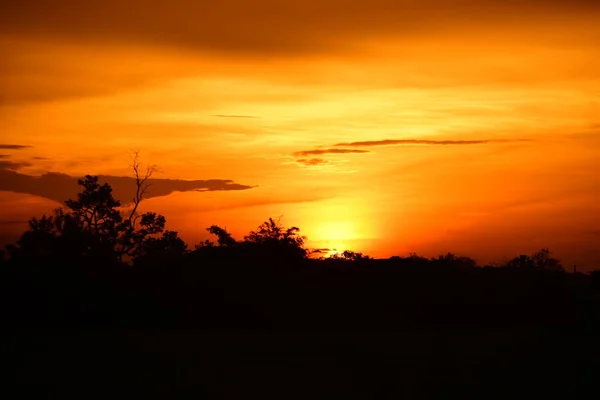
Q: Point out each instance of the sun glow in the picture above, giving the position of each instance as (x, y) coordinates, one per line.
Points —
(335, 235)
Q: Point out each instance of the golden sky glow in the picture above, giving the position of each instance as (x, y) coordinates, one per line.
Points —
(386, 127)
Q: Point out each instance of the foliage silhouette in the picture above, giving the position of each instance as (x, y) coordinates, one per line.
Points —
(223, 237)
(94, 227)
(94, 266)
(540, 260)
(348, 255)
(278, 240)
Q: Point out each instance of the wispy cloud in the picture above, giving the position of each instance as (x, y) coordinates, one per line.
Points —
(12, 165)
(311, 161)
(5, 146)
(304, 157)
(317, 152)
(400, 142)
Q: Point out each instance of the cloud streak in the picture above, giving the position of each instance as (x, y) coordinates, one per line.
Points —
(312, 162)
(318, 152)
(5, 146)
(304, 157)
(60, 187)
(400, 142)
(11, 166)
(262, 26)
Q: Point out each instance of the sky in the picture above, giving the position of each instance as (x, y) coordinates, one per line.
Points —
(386, 127)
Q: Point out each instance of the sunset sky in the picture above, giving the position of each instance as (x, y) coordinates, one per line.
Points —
(381, 126)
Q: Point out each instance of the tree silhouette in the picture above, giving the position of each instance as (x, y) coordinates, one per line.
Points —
(167, 245)
(540, 260)
(278, 239)
(543, 260)
(452, 260)
(348, 255)
(141, 183)
(93, 225)
(224, 238)
(96, 210)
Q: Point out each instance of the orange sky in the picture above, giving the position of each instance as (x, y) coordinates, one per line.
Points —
(386, 127)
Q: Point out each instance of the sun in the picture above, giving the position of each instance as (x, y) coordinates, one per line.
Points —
(335, 235)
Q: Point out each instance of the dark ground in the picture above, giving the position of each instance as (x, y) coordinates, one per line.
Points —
(214, 329)
(419, 362)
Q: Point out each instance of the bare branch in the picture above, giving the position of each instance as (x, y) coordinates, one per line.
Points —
(141, 182)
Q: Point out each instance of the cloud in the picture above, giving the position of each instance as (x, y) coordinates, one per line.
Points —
(312, 161)
(4, 156)
(304, 158)
(60, 187)
(5, 146)
(12, 166)
(400, 142)
(320, 251)
(73, 41)
(264, 26)
(317, 152)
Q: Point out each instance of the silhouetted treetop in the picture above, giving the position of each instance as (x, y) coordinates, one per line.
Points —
(274, 235)
(348, 255)
(94, 225)
(540, 260)
(224, 238)
(274, 231)
(96, 210)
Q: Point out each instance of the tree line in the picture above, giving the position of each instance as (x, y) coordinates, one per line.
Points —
(95, 227)
(94, 262)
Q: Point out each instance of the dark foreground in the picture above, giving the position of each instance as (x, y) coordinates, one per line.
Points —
(214, 328)
(436, 362)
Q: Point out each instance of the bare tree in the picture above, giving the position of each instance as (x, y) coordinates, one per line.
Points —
(141, 182)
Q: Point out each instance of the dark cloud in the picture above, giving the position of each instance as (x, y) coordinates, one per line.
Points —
(311, 161)
(60, 187)
(318, 152)
(12, 166)
(271, 26)
(399, 142)
(5, 146)
(4, 156)
(320, 251)
(387, 142)
(256, 29)
(304, 159)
